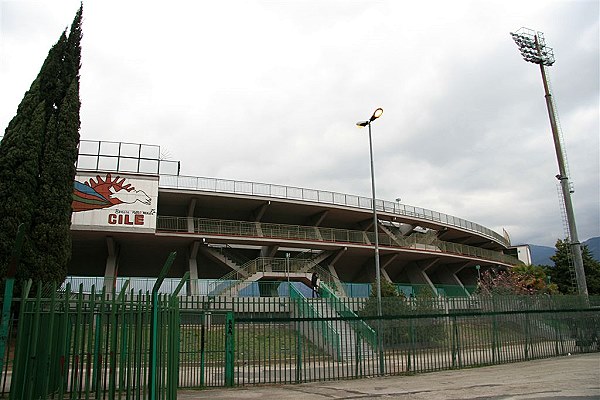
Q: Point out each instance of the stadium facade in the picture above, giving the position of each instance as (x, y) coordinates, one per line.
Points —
(131, 209)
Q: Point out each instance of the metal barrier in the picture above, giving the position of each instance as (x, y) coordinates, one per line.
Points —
(298, 232)
(98, 345)
(92, 345)
(208, 286)
(326, 197)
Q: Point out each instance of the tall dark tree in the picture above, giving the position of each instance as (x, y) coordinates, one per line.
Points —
(561, 276)
(37, 164)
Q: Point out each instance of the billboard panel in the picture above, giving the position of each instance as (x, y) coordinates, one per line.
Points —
(120, 203)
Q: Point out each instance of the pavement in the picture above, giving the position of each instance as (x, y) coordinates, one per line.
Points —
(575, 377)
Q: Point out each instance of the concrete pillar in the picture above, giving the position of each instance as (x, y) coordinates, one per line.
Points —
(269, 251)
(190, 216)
(112, 264)
(193, 268)
(385, 276)
(448, 277)
(333, 272)
(419, 276)
(315, 221)
(260, 211)
(470, 276)
(385, 262)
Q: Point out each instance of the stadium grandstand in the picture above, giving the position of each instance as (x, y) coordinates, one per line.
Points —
(131, 209)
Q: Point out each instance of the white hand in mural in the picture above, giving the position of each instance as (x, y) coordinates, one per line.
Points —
(129, 197)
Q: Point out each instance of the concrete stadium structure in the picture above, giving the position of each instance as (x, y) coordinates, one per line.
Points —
(132, 209)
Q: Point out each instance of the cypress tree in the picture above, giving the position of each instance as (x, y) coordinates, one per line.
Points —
(37, 164)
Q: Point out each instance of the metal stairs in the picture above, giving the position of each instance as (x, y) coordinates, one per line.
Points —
(344, 340)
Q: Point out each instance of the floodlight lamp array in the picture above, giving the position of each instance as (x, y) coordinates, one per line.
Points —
(533, 47)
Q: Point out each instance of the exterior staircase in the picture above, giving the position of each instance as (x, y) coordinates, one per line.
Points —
(345, 340)
(274, 269)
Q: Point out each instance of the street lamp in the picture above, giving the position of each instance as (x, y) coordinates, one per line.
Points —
(398, 200)
(534, 50)
(361, 124)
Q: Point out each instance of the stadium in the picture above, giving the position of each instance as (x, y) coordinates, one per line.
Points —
(131, 210)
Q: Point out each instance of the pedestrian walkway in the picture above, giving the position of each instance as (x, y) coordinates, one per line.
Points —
(562, 378)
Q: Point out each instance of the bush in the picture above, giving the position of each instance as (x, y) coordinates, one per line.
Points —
(398, 332)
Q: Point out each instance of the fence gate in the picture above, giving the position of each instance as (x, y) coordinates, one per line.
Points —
(206, 348)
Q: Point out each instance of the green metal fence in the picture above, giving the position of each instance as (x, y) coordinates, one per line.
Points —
(74, 344)
(91, 346)
(418, 336)
(208, 286)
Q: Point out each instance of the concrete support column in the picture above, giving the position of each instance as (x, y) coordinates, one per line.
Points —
(268, 251)
(193, 268)
(419, 276)
(259, 231)
(112, 264)
(386, 276)
(315, 221)
(385, 262)
(333, 272)
(260, 211)
(449, 278)
(190, 216)
(366, 238)
(470, 265)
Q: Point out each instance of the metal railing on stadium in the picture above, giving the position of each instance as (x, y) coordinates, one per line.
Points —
(326, 197)
(300, 232)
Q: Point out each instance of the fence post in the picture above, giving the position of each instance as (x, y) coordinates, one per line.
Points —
(298, 353)
(202, 340)
(8, 291)
(152, 374)
(6, 305)
(98, 339)
(357, 354)
(495, 349)
(380, 347)
(527, 334)
(411, 339)
(50, 344)
(21, 350)
(174, 340)
(454, 340)
(229, 349)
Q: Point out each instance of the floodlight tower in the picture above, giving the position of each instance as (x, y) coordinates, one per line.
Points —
(534, 50)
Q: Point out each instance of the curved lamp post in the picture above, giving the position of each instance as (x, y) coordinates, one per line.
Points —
(362, 124)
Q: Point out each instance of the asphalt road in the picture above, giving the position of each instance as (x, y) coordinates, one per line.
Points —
(564, 378)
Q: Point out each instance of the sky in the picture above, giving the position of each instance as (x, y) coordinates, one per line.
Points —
(270, 91)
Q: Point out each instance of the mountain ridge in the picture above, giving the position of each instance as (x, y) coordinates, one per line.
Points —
(540, 255)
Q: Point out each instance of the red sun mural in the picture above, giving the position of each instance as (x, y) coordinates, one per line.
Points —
(103, 193)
